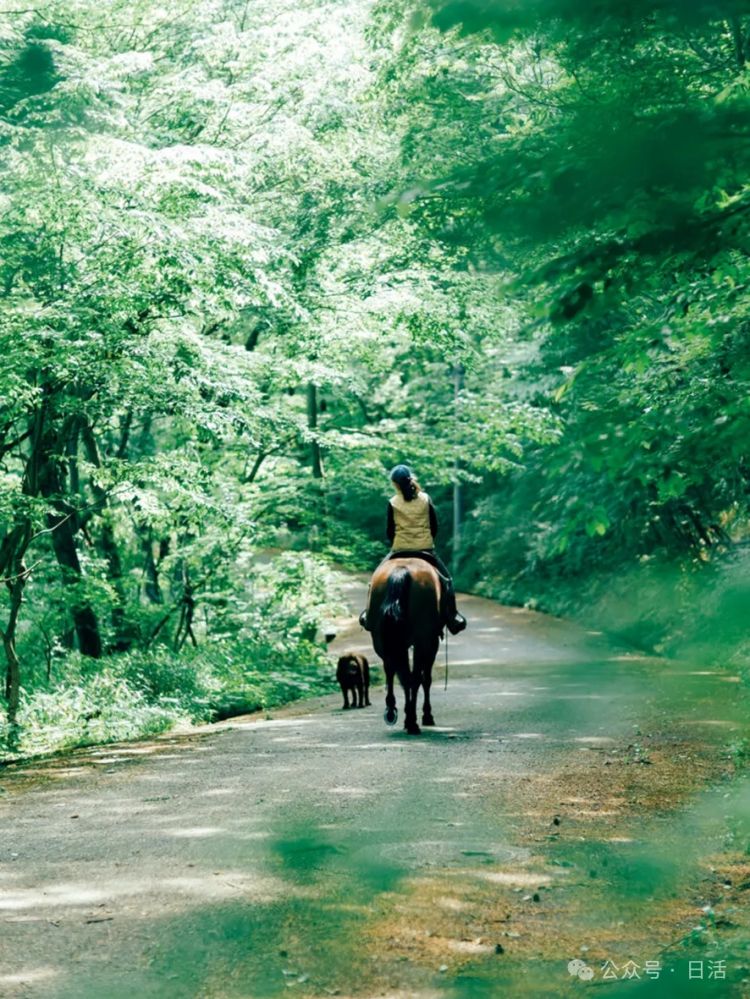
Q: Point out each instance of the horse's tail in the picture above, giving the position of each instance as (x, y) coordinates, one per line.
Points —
(394, 610)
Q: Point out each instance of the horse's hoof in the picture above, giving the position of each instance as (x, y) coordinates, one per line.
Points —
(391, 716)
(413, 729)
(428, 721)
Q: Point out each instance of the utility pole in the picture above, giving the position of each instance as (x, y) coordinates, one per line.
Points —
(312, 423)
(458, 382)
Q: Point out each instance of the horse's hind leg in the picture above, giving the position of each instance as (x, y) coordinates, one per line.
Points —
(410, 710)
(391, 711)
(426, 661)
(410, 681)
(399, 664)
(427, 716)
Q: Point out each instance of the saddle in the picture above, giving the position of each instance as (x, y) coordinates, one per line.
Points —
(425, 556)
(449, 615)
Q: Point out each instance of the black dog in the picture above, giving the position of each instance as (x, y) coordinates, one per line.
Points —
(353, 674)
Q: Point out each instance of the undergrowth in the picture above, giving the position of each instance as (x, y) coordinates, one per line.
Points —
(268, 651)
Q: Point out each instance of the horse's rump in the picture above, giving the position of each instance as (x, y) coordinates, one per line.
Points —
(404, 603)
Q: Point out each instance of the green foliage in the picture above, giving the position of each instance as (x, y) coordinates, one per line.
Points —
(101, 708)
(593, 157)
(268, 651)
(251, 257)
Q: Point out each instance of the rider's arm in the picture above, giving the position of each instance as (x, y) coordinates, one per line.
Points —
(390, 527)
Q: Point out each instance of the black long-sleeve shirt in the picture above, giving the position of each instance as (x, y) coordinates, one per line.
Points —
(390, 528)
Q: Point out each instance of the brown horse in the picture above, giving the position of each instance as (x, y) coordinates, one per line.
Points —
(404, 612)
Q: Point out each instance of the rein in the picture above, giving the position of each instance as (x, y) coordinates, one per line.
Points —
(446, 659)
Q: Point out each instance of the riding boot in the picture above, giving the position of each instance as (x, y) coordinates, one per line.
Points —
(363, 616)
(454, 621)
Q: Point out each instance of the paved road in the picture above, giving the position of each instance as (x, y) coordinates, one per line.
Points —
(271, 856)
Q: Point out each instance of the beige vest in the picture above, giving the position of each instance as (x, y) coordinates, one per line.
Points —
(412, 521)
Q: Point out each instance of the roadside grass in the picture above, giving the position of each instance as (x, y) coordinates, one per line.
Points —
(136, 697)
(270, 650)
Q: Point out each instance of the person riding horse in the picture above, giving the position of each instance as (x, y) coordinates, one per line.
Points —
(411, 528)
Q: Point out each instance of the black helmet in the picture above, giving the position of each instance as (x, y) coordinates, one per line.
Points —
(401, 474)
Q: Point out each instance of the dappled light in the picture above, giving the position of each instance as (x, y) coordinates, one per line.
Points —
(292, 289)
(241, 855)
(196, 832)
(30, 976)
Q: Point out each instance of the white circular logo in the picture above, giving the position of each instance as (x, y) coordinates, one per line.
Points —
(579, 969)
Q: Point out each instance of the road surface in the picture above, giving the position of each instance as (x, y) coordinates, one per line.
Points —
(318, 852)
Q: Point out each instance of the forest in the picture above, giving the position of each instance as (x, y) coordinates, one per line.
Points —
(253, 255)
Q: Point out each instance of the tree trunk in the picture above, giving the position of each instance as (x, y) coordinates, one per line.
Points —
(739, 39)
(107, 543)
(187, 613)
(13, 670)
(14, 572)
(458, 380)
(152, 586)
(84, 618)
(312, 423)
(63, 526)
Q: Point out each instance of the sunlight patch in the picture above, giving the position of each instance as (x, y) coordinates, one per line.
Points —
(149, 891)
(197, 832)
(708, 721)
(452, 904)
(28, 977)
(516, 879)
(357, 792)
(228, 884)
(64, 894)
(280, 723)
(470, 946)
